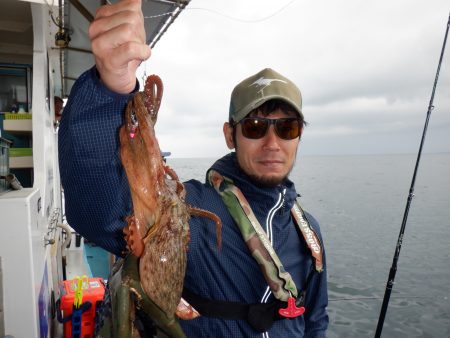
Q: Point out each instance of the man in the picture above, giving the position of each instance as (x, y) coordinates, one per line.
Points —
(246, 289)
(58, 103)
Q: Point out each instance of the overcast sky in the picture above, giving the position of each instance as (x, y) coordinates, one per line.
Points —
(365, 68)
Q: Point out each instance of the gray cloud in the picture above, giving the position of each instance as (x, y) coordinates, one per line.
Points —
(366, 71)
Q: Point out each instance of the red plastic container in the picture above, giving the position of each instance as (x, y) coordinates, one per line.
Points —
(93, 291)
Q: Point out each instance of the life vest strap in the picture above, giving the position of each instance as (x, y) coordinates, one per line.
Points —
(260, 316)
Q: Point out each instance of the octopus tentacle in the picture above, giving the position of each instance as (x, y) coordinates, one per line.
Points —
(133, 237)
(212, 216)
(173, 175)
(153, 94)
(186, 311)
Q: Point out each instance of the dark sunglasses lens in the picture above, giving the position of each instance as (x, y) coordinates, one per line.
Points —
(254, 128)
(288, 129)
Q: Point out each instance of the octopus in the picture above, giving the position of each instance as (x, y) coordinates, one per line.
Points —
(157, 232)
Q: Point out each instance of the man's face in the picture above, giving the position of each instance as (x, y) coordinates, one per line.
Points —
(267, 160)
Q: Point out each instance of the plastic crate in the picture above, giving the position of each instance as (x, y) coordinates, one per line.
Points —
(93, 292)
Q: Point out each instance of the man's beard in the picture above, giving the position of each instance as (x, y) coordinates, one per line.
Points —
(266, 182)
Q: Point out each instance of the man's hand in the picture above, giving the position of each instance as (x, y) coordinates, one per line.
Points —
(119, 44)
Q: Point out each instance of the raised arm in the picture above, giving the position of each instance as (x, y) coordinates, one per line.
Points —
(96, 190)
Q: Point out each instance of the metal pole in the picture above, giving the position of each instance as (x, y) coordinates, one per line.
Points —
(393, 270)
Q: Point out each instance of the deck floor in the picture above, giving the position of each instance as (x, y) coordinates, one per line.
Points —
(87, 259)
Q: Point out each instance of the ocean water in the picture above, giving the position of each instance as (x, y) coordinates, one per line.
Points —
(359, 202)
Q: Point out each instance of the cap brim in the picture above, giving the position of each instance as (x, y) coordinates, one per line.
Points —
(255, 104)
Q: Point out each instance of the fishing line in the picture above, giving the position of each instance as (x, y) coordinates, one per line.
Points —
(50, 9)
(378, 298)
(393, 270)
(226, 15)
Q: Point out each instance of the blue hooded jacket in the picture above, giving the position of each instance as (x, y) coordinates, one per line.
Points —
(98, 199)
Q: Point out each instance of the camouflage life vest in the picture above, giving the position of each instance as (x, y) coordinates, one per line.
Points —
(279, 280)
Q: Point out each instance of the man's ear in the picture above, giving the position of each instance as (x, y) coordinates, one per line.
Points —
(228, 134)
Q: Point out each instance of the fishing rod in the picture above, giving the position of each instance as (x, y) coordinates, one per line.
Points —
(393, 270)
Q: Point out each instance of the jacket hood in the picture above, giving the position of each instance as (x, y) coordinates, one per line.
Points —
(264, 196)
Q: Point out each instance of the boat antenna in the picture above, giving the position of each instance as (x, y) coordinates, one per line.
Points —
(393, 270)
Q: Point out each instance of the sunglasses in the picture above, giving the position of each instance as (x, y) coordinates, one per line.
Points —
(256, 127)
